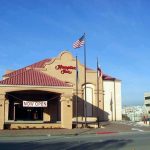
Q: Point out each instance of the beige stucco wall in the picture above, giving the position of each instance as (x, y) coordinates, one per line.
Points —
(66, 59)
(112, 91)
(2, 110)
(118, 100)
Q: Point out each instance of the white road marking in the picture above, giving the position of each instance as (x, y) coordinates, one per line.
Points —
(48, 135)
(136, 129)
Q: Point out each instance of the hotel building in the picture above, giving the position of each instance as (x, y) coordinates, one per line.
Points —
(43, 95)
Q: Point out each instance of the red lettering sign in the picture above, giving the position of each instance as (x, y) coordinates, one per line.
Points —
(65, 69)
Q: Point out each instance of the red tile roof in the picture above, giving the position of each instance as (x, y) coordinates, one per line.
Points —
(107, 77)
(29, 76)
(34, 77)
(39, 64)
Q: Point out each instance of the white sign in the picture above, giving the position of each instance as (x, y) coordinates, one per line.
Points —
(34, 103)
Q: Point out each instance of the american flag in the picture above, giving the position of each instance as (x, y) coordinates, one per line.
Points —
(79, 43)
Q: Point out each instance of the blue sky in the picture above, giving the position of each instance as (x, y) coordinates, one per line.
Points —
(117, 31)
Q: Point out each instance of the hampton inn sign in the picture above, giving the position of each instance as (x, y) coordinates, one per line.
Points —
(43, 95)
(65, 69)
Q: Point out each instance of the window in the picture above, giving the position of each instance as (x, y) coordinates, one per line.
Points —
(147, 98)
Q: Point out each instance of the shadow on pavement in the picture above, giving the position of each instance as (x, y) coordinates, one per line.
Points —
(55, 145)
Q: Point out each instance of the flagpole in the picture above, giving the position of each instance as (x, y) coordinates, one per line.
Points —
(81, 42)
(97, 94)
(85, 103)
(76, 92)
(112, 107)
(115, 99)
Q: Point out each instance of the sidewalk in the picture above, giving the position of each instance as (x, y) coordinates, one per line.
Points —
(106, 128)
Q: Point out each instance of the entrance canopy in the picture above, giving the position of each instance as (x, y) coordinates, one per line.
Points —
(31, 105)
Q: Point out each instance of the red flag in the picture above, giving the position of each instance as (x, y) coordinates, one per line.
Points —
(100, 74)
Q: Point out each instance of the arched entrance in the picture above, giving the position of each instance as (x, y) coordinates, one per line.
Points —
(34, 106)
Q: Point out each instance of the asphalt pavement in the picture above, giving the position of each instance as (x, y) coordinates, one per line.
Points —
(114, 141)
(120, 135)
(106, 128)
